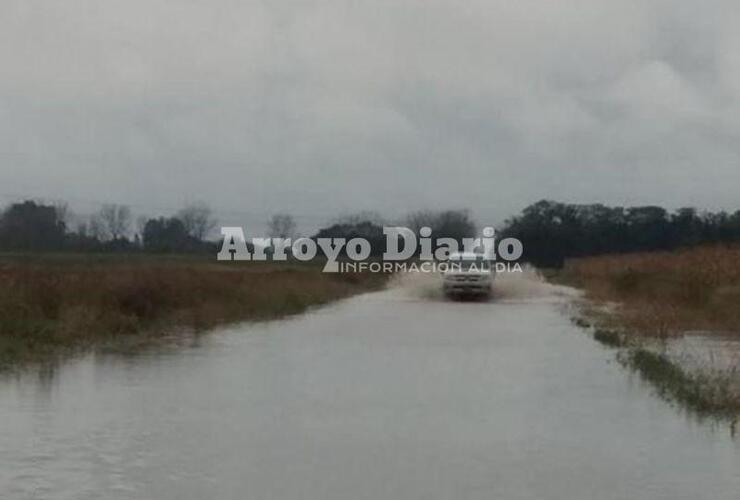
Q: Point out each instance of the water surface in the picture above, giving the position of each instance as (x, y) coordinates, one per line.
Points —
(391, 395)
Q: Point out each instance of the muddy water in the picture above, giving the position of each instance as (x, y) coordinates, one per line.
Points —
(393, 395)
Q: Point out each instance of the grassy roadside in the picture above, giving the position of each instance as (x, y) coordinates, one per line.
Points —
(641, 303)
(664, 294)
(50, 304)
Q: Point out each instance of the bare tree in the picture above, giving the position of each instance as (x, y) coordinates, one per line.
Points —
(281, 226)
(456, 224)
(360, 217)
(197, 219)
(141, 224)
(95, 228)
(112, 222)
(64, 215)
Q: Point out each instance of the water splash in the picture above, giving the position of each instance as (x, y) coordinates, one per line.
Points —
(524, 285)
(528, 284)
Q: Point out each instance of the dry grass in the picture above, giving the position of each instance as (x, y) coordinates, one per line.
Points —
(664, 294)
(51, 304)
(661, 296)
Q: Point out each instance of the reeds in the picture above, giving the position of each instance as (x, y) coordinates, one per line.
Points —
(706, 392)
(49, 304)
(666, 293)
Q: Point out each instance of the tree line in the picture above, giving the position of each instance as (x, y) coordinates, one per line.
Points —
(39, 227)
(34, 226)
(552, 231)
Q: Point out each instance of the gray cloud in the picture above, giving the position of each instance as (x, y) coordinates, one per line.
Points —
(319, 107)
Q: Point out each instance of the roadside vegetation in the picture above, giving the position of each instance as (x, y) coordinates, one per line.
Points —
(51, 304)
(643, 303)
(705, 390)
(70, 281)
(664, 294)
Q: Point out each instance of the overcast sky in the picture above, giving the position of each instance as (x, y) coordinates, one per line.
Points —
(324, 107)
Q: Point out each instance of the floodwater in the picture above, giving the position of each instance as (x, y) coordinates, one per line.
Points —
(390, 395)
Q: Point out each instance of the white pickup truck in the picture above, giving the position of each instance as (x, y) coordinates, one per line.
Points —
(468, 275)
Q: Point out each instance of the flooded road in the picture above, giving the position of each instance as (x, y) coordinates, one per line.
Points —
(391, 395)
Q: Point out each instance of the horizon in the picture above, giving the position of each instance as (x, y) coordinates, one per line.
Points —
(320, 110)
